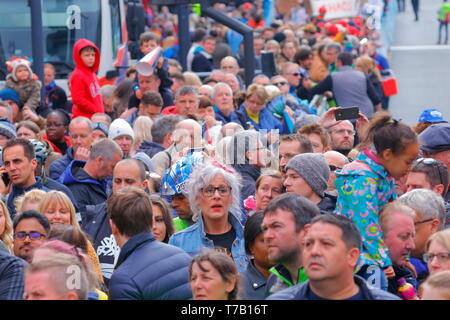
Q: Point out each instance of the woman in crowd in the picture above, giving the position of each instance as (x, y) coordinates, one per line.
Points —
(59, 210)
(254, 110)
(55, 131)
(31, 200)
(142, 131)
(367, 184)
(436, 287)
(254, 279)
(367, 66)
(269, 185)
(28, 129)
(162, 226)
(222, 97)
(213, 276)
(6, 229)
(437, 254)
(214, 197)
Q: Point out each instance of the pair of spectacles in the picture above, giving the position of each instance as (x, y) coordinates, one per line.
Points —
(333, 168)
(21, 235)
(343, 131)
(431, 162)
(282, 83)
(54, 125)
(210, 191)
(442, 257)
(423, 221)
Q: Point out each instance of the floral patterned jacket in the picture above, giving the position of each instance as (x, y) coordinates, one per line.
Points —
(364, 188)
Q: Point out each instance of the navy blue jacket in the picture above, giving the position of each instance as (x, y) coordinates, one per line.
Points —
(59, 165)
(233, 117)
(150, 148)
(47, 186)
(150, 270)
(86, 190)
(253, 283)
(201, 63)
(11, 277)
(300, 292)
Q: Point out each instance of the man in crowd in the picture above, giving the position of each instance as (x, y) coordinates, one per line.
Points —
(80, 136)
(48, 279)
(330, 253)
(31, 229)
(186, 102)
(307, 174)
(203, 59)
(127, 172)
(150, 106)
(429, 219)
(121, 132)
(87, 180)
(230, 65)
(397, 225)
(342, 136)
(20, 163)
(162, 131)
(290, 146)
(336, 161)
(130, 213)
(284, 229)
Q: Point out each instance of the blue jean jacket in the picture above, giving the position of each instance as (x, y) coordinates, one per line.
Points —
(193, 240)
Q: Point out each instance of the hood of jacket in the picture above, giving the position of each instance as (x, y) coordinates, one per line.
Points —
(79, 45)
(74, 173)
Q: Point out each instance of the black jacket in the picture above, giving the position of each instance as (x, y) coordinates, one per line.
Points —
(328, 204)
(401, 272)
(300, 292)
(96, 225)
(59, 165)
(11, 277)
(150, 270)
(56, 98)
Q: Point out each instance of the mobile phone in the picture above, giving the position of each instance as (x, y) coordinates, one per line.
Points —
(347, 113)
(5, 178)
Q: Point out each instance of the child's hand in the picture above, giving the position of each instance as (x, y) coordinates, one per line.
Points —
(389, 272)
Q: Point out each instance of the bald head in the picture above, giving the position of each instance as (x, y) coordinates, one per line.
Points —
(336, 161)
(188, 132)
(129, 172)
(229, 64)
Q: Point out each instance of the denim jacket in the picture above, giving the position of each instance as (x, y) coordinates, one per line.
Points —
(193, 240)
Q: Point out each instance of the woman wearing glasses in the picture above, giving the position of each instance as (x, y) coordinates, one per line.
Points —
(214, 197)
(55, 131)
(437, 254)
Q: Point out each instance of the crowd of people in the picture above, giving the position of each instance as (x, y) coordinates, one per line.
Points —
(175, 186)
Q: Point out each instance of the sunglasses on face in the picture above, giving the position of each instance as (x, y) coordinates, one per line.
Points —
(282, 83)
(334, 168)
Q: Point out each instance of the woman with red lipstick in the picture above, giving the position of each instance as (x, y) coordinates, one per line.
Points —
(214, 196)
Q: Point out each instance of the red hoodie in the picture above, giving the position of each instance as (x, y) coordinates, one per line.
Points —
(84, 85)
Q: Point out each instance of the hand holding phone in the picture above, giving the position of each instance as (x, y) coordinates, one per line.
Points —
(347, 113)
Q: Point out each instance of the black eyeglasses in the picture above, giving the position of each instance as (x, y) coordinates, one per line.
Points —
(210, 191)
(423, 221)
(334, 168)
(431, 162)
(21, 235)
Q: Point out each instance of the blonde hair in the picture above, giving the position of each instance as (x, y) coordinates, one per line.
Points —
(142, 131)
(34, 196)
(7, 236)
(192, 79)
(441, 237)
(439, 281)
(53, 197)
(368, 65)
(259, 91)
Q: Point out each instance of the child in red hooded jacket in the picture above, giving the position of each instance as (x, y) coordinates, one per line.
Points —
(84, 85)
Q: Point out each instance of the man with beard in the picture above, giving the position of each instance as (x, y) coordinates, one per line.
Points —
(284, 229)
(30, 232)
(342, 136)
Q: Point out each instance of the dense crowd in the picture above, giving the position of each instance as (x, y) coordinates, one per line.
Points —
(201, 184)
